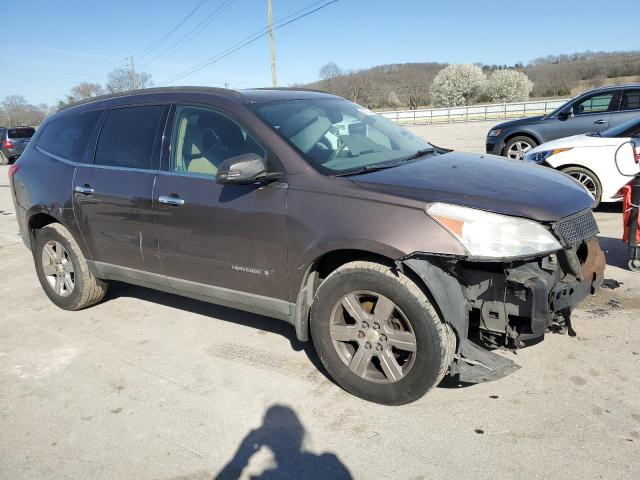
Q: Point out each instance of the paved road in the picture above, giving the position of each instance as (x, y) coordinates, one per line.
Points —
(148, 385)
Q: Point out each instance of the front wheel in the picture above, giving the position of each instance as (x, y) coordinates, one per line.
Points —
(63, 271)
(378, 335)
(517, 147)
(588, 180)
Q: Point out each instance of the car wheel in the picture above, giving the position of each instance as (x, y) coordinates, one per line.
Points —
(517, 147)
(634, 265)
(588, 180)
(378, 335)
(3, 159)
(63, 271)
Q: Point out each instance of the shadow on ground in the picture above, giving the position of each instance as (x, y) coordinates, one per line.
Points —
(219, 313)
(282, 433)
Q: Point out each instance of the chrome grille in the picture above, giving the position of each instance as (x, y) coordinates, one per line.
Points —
(577, 227)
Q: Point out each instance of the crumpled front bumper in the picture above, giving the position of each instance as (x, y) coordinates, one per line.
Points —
(507, 304)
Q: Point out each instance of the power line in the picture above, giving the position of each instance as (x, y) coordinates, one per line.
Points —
(248, 40)
(193, 33)
(152, 47)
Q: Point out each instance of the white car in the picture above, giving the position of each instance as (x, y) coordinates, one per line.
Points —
(590, 158)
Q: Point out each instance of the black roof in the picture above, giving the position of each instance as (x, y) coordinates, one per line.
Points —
(255, 95)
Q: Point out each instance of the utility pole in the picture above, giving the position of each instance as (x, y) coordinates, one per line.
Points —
(272, 44)
(134, 78)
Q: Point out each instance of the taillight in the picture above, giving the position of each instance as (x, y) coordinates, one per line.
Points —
(8, 144)
(13, 169)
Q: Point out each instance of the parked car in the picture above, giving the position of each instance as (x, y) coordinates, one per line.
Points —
(13, 141)
(397, 259)
(593, 111)
(590, 158)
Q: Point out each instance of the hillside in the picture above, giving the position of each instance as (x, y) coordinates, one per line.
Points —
(407, 85)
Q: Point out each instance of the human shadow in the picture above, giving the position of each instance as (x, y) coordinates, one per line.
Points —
(219, 313)
(283, 434)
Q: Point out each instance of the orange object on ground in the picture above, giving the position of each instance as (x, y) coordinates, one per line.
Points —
(626, 213)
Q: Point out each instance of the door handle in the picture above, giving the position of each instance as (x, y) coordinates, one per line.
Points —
(600, 122)
(172, 200)
(84, 189)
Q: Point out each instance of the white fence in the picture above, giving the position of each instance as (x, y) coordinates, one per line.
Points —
(496, 111)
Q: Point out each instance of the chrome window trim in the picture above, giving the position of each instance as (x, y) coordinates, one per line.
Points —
(92, 165)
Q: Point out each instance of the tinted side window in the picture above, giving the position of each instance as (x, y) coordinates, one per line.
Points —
(26, 132)
(127, 137)
(602, 102)
(202, 138)
(630, 100)
(67, 137)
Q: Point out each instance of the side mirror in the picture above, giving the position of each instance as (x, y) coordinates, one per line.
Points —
(627, 158)
(566, 113)
(243, 169)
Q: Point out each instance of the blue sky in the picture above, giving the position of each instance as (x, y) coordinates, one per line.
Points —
(51, 46)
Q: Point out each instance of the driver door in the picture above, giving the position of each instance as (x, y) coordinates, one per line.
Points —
(224, 242)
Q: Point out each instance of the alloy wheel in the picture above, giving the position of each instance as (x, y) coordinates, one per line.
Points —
(58, 268)
(518, 150)
(373, 337)
(586, 181)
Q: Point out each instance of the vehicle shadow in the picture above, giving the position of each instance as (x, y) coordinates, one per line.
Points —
(615, 251)
(283, 433)
(220, 313)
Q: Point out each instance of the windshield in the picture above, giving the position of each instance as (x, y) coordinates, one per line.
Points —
(21, 132)
(338, 137)
(630, 128)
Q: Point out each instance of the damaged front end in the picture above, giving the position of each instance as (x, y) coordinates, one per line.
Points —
(509, 303)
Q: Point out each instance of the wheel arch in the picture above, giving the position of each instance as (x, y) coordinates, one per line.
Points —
(38, 218)
(328, 262)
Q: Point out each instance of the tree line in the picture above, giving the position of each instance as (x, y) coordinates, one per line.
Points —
(411, 85)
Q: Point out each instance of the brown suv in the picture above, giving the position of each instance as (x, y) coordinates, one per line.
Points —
(402, 261)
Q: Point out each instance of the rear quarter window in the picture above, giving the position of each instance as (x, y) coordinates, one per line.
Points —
(67, 137)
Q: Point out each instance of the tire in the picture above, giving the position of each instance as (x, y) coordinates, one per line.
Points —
(71, 286)
(412, 319)
(589, 180)
(516, 147)
(3, 159)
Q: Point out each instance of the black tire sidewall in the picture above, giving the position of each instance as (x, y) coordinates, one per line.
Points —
(427, 366)
(66, 303)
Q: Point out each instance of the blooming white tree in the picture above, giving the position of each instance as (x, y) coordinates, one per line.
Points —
(393, 100)
(457, 85)
(505, 85)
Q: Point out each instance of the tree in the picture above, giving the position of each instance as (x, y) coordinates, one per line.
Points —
(357, 87)
(16, 110)
(328, 73)
(123, 80)
(506, 85)
(86, 90)
(393, 100)
(457, 85)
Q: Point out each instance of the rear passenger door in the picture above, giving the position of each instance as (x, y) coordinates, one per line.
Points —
(224, 242)
(629, 107)
(113, 194)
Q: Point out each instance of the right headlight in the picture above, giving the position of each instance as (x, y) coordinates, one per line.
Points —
(539, 157)
(487, 235)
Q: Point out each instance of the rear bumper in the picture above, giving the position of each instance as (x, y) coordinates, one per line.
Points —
(492, 305)
(12, 153)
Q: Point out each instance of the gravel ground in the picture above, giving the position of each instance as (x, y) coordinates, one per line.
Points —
(148, 385)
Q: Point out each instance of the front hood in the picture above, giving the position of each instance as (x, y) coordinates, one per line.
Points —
(486, 182)
(519, 121)
(577, 141)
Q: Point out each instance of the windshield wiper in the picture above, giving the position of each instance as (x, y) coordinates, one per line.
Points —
(369, 168)
(419, 153)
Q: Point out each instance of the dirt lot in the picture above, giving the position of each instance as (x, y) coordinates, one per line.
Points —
(148, 385)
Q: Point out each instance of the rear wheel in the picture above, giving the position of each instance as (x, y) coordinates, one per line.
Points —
(588, 180)
(377, 334)
(3, 159)
(63, 271)
(517, 147)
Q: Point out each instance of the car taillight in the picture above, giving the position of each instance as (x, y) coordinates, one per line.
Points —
(7, 144)
(13, 169)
